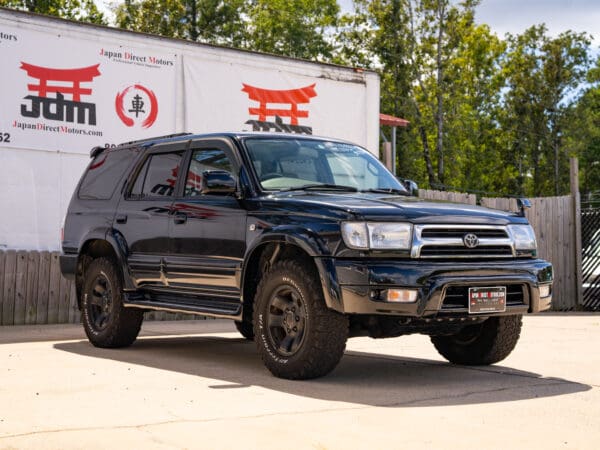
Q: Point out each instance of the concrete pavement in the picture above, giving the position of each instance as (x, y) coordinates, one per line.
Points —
(196, 384)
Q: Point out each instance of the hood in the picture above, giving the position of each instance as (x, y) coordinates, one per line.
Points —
(369, 206)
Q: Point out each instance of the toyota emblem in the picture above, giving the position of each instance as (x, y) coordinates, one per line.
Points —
(471, 240)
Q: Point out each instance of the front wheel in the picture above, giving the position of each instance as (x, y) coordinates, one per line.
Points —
(297, 336)
(482, 344)
(106, 321)
(245, 329)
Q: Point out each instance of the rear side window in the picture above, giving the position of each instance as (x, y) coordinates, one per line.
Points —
(104, 173)
(158, 176)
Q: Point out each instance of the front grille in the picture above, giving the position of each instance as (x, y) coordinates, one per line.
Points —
(459, 233)
(442, 251)
(448, 241)
(457, 297)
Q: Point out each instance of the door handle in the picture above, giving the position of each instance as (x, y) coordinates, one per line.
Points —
(121, 218)
(180, 218)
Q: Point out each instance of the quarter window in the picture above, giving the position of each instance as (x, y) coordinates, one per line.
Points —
(158, 176)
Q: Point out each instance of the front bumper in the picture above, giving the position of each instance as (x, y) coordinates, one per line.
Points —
(357, 280)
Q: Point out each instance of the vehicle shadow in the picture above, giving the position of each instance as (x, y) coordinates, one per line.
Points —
(362, 378)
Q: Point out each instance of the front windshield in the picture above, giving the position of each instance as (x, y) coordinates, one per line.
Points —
(282, 164)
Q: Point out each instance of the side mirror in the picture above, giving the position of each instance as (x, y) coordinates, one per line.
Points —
(411, 187)
(218, 182)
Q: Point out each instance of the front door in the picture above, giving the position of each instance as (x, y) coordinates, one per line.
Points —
(207, 230)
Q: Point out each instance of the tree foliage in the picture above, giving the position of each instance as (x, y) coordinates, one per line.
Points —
(296, 28)
(209, 21)
(80, 10)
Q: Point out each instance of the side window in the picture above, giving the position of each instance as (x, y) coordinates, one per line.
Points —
(104, 173)
(158, 176)
(201, 161)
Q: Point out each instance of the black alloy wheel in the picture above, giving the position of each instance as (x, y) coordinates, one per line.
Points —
(101, 302)
(286, 320)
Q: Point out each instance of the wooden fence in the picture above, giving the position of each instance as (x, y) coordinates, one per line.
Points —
(33, 291)
(448, 196)
(553, 219)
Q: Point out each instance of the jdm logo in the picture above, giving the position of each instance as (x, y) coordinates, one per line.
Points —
(137, 103)
(51, 88)
(273, 103)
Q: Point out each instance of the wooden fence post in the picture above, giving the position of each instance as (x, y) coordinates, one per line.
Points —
(574, 181)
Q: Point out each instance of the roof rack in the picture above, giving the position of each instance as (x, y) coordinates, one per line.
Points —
(166, 136)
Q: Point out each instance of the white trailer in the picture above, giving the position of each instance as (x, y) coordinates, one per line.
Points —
(67, 87)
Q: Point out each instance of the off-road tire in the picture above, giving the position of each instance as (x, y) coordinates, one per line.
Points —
(482, 344)
(246, 329)
(324, 332)
(119, 326)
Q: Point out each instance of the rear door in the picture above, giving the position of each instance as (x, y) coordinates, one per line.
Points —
(142, 218)
(207, 230)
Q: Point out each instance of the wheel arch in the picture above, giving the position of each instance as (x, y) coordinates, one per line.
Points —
(274, 247)
(100, 244)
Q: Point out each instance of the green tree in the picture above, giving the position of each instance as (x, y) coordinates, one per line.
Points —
(582, 135)
(295, 28)
(209, 21)
(80, 10)
(543, 77)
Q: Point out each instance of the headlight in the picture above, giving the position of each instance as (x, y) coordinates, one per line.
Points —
(355, 235)
(377, 235)
(523, 236)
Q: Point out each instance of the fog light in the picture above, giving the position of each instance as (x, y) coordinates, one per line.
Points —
(544, 290)
(399, 295)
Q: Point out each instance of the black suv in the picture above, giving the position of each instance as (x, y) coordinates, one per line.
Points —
(303, 241)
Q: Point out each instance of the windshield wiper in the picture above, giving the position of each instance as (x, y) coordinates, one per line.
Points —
(386, 191)
(320, 186)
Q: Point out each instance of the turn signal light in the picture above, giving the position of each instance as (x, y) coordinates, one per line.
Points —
(399, 295)
(544, 290)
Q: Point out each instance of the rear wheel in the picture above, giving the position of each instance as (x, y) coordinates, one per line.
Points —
(107, 323)
(297, 336)
(482, 344)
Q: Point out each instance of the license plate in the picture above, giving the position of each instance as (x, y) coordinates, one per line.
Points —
(487, 299)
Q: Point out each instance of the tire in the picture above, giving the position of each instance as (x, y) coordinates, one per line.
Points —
(481, 344)
(297, 336)
(245, 328)
(107, 323)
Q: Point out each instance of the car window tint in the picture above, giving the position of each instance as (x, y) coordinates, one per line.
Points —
(158, 176)
(105, 172)
(136, 191)
(203, 160)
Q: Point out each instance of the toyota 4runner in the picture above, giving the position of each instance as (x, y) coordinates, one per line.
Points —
(302, 241)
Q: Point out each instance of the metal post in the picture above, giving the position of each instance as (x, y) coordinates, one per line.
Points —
(574, 179)
(394, 150)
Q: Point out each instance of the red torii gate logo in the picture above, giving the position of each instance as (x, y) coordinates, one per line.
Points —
(58, 108)
(291, 97)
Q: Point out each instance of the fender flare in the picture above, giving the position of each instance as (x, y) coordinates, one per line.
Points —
(119, 246)
(311, 244)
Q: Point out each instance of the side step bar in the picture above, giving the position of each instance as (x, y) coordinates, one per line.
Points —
(183, 304)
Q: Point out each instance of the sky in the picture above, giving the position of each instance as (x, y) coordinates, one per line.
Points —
(515, 16)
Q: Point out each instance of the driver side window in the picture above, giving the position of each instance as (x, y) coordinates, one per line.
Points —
(205, 159)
